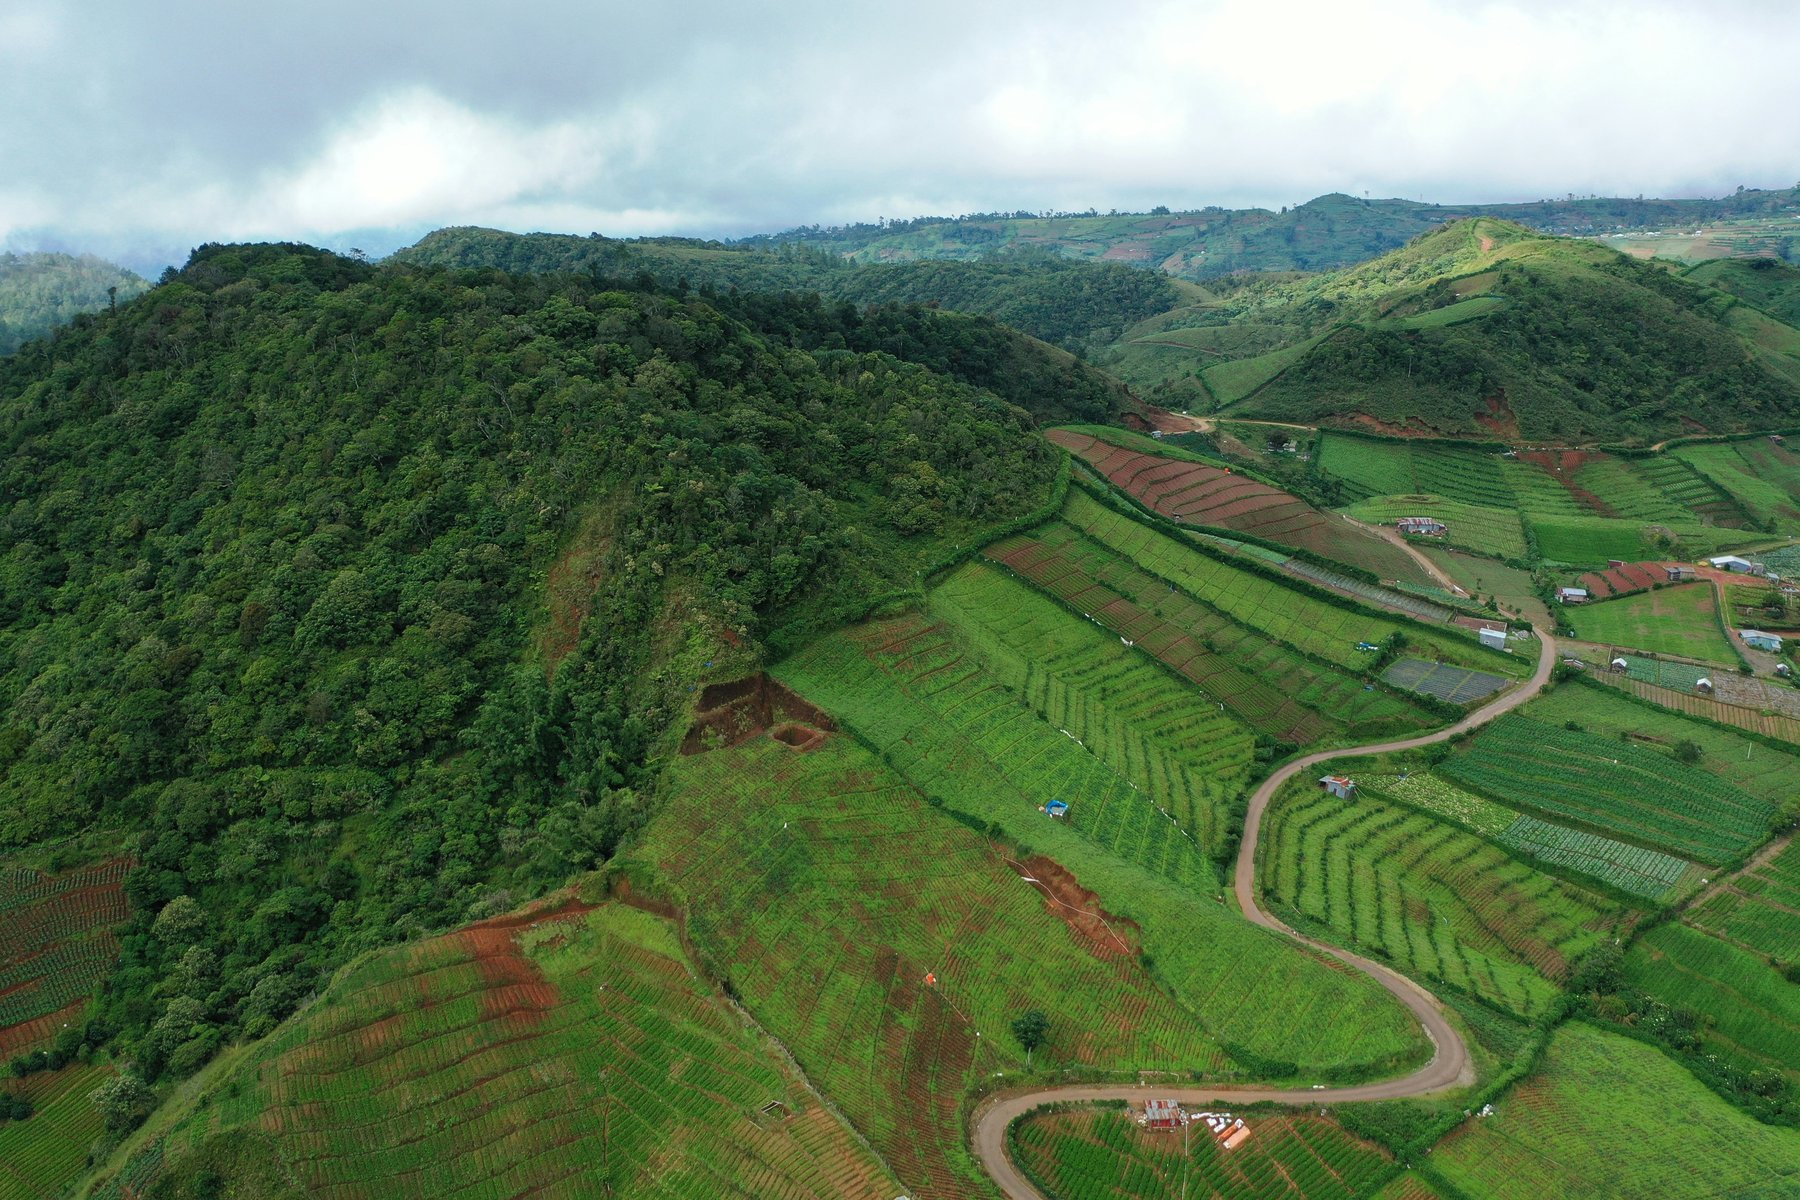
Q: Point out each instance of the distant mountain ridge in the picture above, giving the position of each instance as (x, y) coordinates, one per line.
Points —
(40, 291)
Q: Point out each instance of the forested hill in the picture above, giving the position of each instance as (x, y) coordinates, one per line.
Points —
(354, 600)
(39, 292)
(1079, 306)
(1485, 329)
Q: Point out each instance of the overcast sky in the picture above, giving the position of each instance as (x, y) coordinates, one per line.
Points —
(139, 129)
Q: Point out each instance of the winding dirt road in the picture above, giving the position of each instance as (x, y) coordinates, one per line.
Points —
(1449, 1065)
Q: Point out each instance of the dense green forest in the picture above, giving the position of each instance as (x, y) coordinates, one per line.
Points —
(278, 547)
(1080, 306)
(39, 292)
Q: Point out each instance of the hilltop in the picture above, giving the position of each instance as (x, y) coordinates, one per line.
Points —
(1485, 329)
(39, 292)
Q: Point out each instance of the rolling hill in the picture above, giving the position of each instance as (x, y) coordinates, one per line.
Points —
(40, 292)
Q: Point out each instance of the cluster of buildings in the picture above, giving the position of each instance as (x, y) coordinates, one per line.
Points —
(1229, 1131)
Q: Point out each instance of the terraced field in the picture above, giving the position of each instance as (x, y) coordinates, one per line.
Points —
(41, 1156)
(1619, 581)
(1440, 903)
(1491, 531)
(1763, 477)
(1201, 494)
(1106, 1156)
(1273, 689)
(568, 1051)
(56, 944)
(1392, 468)
(1308, 623)
(1681, 620)
(1772, 724)
(1759, 910)
(1609, 1116)
(1622, 790)
(1751, 1012)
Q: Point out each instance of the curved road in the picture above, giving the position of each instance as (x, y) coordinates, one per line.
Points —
(1449, 1065)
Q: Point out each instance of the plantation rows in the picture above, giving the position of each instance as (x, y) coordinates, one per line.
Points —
(1370, 468)
(1764, 479)
(20, 886)
(56, 978)
(1308, 623)
(1618, 581)
(1458, 685)
(1752, 1013)
(1166, 740)
(1774, 725)
(828, 891)
(42, 1155)
(458, 1067)
(954, 731)
(1370, 593)
(34, 928)
(1631, 494)
(1105, 1156)
(1609, 1116)
(1760, 909)
(1492, 531)
(1664, 672)
(1638, 794)
(1440, 902)
(1647, 873)
(1685, 489)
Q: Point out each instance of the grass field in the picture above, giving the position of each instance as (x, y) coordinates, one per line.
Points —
(1611, 1117)
(1681, 620)
(1620, 789)
(1199, 491)
(1104, 1155)
(1751, 1012)
(1760, 909)
(1440, 903)
(1491, 531)
(570, 1053)
(46, 1153)
(1232, 381)
(1306, 622)
(1272, 687)
(56, 944)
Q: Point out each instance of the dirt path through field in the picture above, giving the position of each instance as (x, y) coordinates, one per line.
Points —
(1449, 1066)
(1431, 569)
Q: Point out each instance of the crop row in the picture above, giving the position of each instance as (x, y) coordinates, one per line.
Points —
(1638, 794)
(1392, 468)
(42, 1155)
(1761, 909)
(1308, 623)
(1439, 901)
(1105, 1156)
(55, 978)
(1751, 1012)
(1647, 873)
(20, 886)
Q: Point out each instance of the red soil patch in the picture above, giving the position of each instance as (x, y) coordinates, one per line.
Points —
(1497, 417)
(37, 1032)
(1168, 422)
(1377, 425)
(734, 712)
(1100, 933)
(798, 737)
(1562, 465)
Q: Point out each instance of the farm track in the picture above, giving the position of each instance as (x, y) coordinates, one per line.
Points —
(1449, 1066)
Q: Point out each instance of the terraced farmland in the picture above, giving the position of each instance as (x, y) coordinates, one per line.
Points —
(1681, 620)
(1491, 531)
(828, 889)
(1458, 685)
(42, 1155)
(1762, 477)
(56, 944)
(1441, 903)
(573, 1053)
(1609, 1116)
(1273, 689)
(1751, 1012)
(1634, 794)
(1391, 468)
(1309, 623)
(1106, 1156)
(1618, 581)
(1759, 909)
(1647, 873)
(1200, 494)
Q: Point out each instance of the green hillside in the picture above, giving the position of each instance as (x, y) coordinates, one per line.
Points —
(39, 292)
(1571, 342)
(1763, 283)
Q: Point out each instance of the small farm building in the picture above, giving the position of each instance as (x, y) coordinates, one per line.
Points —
(1620, 664)
(1736, 565)
(1057, 808)
(1703, 685)
(1163, 1114)
(1783, 670)
(1341, 786)
(1679, 574)
(1756, 639)
(1240, 1133)
(1572, 595)
(1493, 639)
(1425, 525)
(1231, 1131)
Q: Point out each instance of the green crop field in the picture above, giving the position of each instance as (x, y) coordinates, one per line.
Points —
(1388, 468)
(1270, 685)
(1308, 623)
(1491, 531)
(56, 945)
(1611, 1117)
(942, 710)
(1648, 873)
(1171, 744)
(1439, 902)
(1623, 790)
(1232, 381)
(1762, 477)
(1443, 799)
(1751, 1013)
(1681, 620)
(1104, 1155)
(570, 1050)
(44, 1154)
(1450, 314)
(1684, 487)
(827, 889)
(1760, 910)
